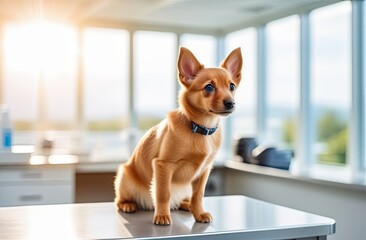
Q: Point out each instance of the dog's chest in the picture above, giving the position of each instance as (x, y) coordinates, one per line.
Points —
(197, 160)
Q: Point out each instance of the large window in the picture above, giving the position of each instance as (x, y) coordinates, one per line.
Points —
(36, 67)
(21, 74)
(331, 81)
(244, 118)
(105, 74)
(283, 81)
(155, 76)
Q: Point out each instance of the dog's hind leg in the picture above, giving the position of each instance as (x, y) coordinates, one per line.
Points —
(127, 207)
(124, 200)
(185, 205)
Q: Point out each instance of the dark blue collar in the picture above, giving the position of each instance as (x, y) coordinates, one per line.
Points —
(201, 129)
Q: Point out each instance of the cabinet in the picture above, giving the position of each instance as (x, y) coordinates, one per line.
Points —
(39, 184)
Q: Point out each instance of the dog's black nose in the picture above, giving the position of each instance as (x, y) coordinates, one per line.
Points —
(229, 104)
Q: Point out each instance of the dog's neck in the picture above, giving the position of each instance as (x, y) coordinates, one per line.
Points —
(205, 120)
(196, 115)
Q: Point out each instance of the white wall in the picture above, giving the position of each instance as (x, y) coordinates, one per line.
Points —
(346, 206)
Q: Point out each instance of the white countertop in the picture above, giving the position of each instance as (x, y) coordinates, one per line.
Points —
(235, 217)
(83, 161)
(294, 176)
(106, 160)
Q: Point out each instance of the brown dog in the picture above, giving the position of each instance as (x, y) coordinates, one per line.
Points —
(171, 164)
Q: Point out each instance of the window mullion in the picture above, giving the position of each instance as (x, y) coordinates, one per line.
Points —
(177, 85)
(80, 87)
(357, 144)
(132, 121)
(304, 150)
(261, 83)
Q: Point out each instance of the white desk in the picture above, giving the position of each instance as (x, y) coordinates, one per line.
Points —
(235, 217)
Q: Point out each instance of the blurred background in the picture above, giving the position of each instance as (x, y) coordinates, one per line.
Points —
(83, 80)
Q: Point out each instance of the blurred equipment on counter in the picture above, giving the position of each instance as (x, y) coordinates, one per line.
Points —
(47, 143)
(250, 152)
(245, 147)
(272, 157)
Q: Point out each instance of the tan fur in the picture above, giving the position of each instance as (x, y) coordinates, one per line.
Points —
(170, 166)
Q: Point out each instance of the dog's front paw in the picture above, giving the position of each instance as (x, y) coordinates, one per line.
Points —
(162, 219)
(204, 217)
(127, 207)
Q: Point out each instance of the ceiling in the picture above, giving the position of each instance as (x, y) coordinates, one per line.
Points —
(196, 15)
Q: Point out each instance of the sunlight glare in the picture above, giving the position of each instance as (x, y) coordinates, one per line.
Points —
(30, 45)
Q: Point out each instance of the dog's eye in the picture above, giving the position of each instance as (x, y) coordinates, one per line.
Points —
(209, 88)
(232, 86)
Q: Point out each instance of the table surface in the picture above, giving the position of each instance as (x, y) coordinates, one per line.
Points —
(234, 217)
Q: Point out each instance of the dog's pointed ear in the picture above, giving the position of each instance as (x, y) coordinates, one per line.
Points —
(234, 63)
(188, 66)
